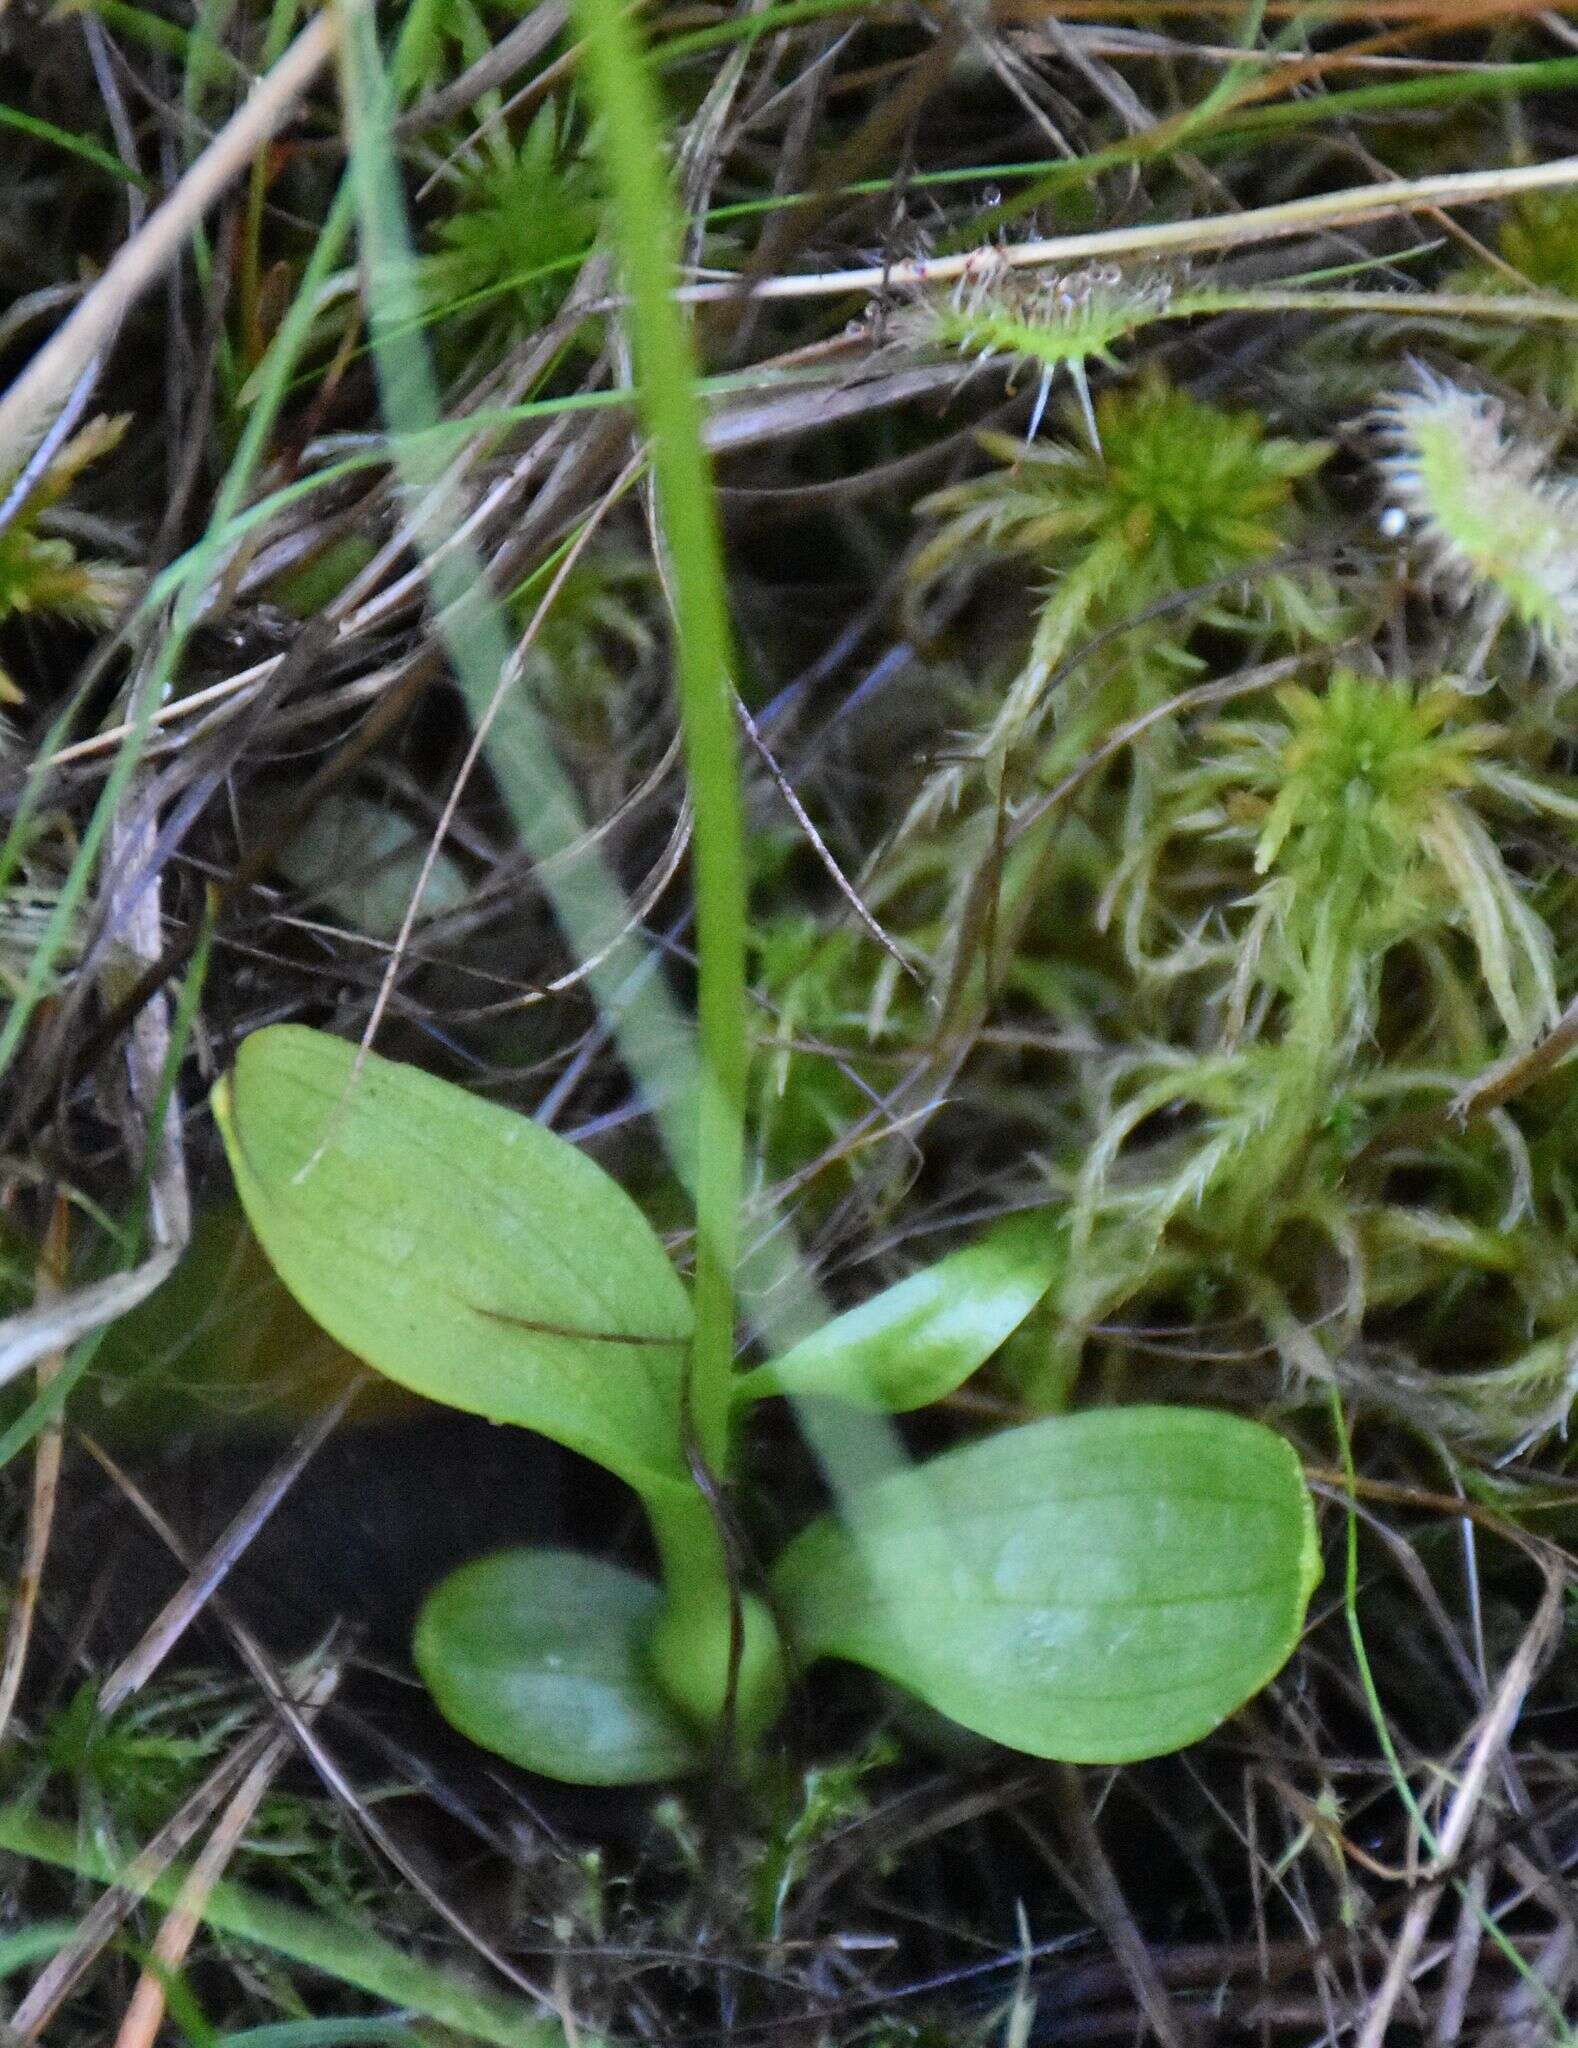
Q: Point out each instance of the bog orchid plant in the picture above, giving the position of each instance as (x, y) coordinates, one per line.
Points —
(1100, 1586)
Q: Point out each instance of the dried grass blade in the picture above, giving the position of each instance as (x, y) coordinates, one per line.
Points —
(184, 1606)
(44, 386)
(145, 2013)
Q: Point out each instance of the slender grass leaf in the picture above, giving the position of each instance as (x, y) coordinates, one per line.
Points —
(339, 1947)
(465, 1251)
(325, 2034)
(539, 1655)
(34, 1944)
(924, 1336)
(1095, 1588)
(140, 26)
(77, 145)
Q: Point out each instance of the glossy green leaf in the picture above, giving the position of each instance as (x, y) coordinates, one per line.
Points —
(925, 1335)
(539, 1655)
(461, 1249)
(1095, 1588)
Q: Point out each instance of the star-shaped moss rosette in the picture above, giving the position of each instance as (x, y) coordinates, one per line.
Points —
(1181, 494)
(1358, 817)
(1175, 495)
(513, 236)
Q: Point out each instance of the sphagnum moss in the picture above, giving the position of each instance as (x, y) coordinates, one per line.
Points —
(1347, 818)
(1178, 493)
(1175, 495)
(1538, 246)
(508, 247)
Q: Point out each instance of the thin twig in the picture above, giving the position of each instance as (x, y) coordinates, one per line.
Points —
(1346, 208)
(1111, 1909)
(511, 678)
(307, 1740)
(184, 1606)
(1495, 1731)
(820, 847)
(509, 56)
(144, 2014)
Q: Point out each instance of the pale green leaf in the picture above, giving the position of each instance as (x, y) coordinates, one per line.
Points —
(925, 1335)
(539, 1655)
(461, 1249)
(1095, 1588)
(362, 861)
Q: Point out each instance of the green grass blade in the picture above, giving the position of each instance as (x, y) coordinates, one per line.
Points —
(325, 2034)
(590, 906)
(351, 1955)
(82, 146)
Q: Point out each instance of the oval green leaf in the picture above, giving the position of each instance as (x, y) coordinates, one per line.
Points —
(1094, 1588)
(461, 1249)
(539, 1655)
(925, 1335)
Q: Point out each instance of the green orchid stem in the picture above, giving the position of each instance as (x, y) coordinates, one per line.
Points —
(649, 241)
(690, 1548)
(693, 1651)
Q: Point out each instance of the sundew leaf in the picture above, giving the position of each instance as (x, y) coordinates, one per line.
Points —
(539, 1655)
(459, 1248)
(925, 1335)
(1094, 1588)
